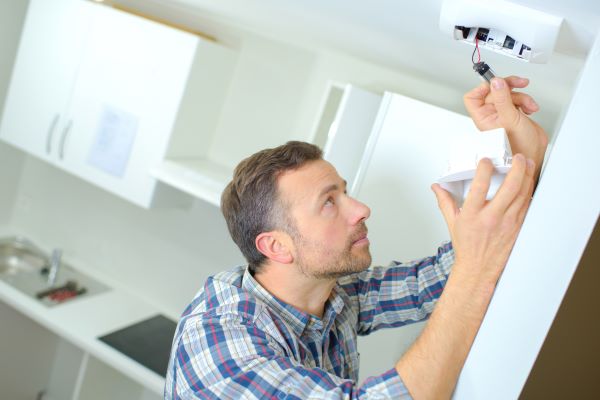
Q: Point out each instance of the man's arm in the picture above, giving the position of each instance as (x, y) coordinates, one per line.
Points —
(496, 105)
(399, 294)
(483, 234)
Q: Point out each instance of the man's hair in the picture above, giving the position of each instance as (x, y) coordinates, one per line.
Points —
(251, 203)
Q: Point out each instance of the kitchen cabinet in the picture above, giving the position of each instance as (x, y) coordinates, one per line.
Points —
(43, 75)
(407, 152)
(97, 92)
(342, 128)
(345, 137)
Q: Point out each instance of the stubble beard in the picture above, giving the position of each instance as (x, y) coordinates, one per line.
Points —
(343, 264)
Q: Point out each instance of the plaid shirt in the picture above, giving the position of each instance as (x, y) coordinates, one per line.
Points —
(237, 341)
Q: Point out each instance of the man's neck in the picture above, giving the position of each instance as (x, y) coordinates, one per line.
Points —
(303, 292)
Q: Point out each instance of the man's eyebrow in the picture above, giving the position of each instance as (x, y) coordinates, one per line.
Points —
(331, 188)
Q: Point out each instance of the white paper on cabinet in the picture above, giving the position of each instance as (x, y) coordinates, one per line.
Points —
(114, 140)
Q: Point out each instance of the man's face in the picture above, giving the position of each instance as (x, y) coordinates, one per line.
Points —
(328, 227)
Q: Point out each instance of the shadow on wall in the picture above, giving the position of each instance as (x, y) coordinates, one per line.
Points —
(567, 365)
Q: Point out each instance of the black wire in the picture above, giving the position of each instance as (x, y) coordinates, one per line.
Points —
(473, 55)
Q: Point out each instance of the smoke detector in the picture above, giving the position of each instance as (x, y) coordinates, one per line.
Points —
(501, 26)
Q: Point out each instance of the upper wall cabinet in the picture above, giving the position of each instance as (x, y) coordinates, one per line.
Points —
(44, 73)
(342, 129)
(98, 92)
(345, 136)
(407, 151)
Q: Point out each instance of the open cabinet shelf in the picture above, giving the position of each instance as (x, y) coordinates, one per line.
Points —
(342, 128)
(201, 178)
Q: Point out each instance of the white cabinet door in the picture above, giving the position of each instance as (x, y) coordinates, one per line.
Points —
(43, 74)
(127, 94)
(407, 152)
(349, 132)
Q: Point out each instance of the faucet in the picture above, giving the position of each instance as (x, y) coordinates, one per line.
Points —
(54, 266)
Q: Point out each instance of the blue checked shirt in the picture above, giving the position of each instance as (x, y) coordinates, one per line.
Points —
(237, 341)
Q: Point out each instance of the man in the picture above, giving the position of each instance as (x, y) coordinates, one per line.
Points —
(285, 326)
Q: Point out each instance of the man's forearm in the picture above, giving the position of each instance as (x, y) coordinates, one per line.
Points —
(533, 147)
(525, 135)
(431, 366)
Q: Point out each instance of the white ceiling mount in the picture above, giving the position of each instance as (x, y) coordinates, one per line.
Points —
(504, 27)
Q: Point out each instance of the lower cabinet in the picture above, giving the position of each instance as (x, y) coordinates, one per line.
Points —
(77, 375)
(26, 355)
(38, 364)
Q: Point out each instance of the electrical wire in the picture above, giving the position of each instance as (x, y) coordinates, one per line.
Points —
(476, 49)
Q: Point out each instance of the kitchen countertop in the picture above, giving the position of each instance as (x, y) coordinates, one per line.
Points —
(81, 321)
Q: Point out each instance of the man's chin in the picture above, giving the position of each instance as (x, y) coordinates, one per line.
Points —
(366, 264)
(356, 266)
(362, 262)
(362, 255)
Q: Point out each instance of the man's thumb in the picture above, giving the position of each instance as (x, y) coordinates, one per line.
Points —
(507, 112)
(446, 204)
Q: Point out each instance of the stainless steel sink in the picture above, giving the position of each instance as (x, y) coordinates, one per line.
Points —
(18, 255)
(25, 267)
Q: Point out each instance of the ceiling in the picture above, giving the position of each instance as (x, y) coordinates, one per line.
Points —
(394, 31)
(400, 34)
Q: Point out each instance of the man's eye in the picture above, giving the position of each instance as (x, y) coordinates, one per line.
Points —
(329, 201)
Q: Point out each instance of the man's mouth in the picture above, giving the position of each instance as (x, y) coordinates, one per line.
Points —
(361, 239)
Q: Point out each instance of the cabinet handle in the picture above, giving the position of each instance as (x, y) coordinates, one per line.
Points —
(63, 139)
(51, 133)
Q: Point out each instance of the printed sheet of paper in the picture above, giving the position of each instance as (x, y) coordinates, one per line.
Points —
(114, 140)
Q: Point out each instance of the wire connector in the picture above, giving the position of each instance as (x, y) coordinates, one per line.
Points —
(484, 71)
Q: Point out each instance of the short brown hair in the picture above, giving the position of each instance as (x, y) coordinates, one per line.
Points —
(250, 202)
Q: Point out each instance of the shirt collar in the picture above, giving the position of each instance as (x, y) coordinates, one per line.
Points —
(297, 319)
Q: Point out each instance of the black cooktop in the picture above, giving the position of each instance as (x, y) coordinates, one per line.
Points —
(147, 342)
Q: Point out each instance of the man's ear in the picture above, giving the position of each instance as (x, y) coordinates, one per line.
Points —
(274, 246)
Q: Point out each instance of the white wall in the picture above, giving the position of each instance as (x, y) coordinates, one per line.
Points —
(164, 255)
(10, 170)
(12, 13)
(264, 97)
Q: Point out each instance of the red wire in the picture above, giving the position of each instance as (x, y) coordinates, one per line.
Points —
(477, 46)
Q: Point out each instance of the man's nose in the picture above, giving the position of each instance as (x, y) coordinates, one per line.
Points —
(360, 212)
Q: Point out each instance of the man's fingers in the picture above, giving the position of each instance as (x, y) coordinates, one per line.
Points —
(516, 82)
(508, 114)
(523, 211)
(476, 198)
(521, 100)
(511, 186)
(475, 98)
(446, 204)
(525, 102)
(482, 104)
(520, 204)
